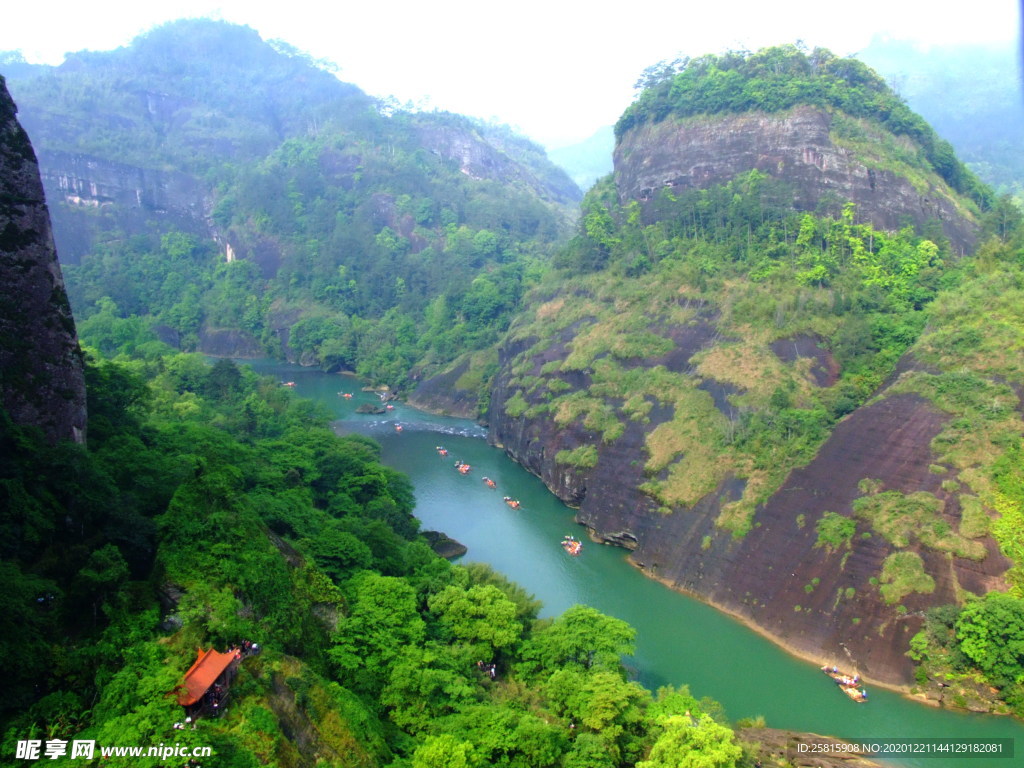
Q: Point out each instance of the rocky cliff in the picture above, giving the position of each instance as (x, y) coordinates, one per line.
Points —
(89, 195)
(760, 389)
(827, 600)
(827, 158)
(484, 152)
(41, 372)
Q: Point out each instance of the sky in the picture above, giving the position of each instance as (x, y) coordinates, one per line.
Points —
(557, 70)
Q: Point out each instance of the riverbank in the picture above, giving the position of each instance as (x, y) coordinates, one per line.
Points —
(789, 648)
(680, 640)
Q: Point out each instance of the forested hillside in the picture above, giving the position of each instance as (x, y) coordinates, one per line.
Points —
(210, 508)
(238, 198)
(970, 94)
(780, 403)
(734, 377)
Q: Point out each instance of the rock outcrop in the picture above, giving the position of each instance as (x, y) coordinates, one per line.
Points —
(818, 601)
(799, 146)
(41, 369)
(507, 159)
(138, 200)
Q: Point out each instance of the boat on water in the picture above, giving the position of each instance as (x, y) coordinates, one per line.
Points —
(463, 468)
(514, 503)
(572, 545)
(490, 483)
(848, 684)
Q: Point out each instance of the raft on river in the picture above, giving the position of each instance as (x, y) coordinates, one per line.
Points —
(572, 546)
(848, 684)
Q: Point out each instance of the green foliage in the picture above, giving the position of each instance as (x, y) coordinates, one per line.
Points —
(991, 634)
(902, 574)
(779, 78)
(686, 742)
(583, 457)
(902, 517)
(481, 615)
(445, 751)
(383, 619)
(581, 636)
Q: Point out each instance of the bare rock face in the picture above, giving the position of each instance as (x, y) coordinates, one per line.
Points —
(78, 186)
(480, 157)
(820, 602)
(41, 370)
(798, 146)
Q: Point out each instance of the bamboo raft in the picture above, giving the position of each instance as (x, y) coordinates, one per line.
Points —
(848, 684)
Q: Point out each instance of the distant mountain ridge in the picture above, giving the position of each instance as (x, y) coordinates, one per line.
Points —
(331, 212)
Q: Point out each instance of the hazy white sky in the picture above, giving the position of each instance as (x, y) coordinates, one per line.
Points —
(556, 69)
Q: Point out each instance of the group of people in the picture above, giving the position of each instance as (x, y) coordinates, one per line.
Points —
(572, 545)
(850, 684)
(464, 468)
(247, 648)
(490, 669)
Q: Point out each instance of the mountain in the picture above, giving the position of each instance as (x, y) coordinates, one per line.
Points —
(211, 511)
(972, 95)
(242, 200)
(41, 379)
(588, 160)
(745, 371)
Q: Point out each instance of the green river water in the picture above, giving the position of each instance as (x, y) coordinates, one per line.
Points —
(679, 639)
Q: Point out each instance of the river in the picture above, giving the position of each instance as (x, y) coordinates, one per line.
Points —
(679, 639)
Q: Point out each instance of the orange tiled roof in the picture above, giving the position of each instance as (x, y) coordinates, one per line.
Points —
(202, 674)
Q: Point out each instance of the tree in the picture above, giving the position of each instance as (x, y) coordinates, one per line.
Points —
(383, 620)
(339, 553)
(444, 752)
(424, 685)
(689, 743)
(581, 636)
(588, 751)
(481, 615)
(991, 634)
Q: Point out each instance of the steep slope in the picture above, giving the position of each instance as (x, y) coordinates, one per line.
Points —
(245, 201)
(828, 159)
(712, 379)
(41, 380)
(828, 126)
(970, 94)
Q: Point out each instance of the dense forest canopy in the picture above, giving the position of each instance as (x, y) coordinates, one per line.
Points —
(212, 507)
(324, 225)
